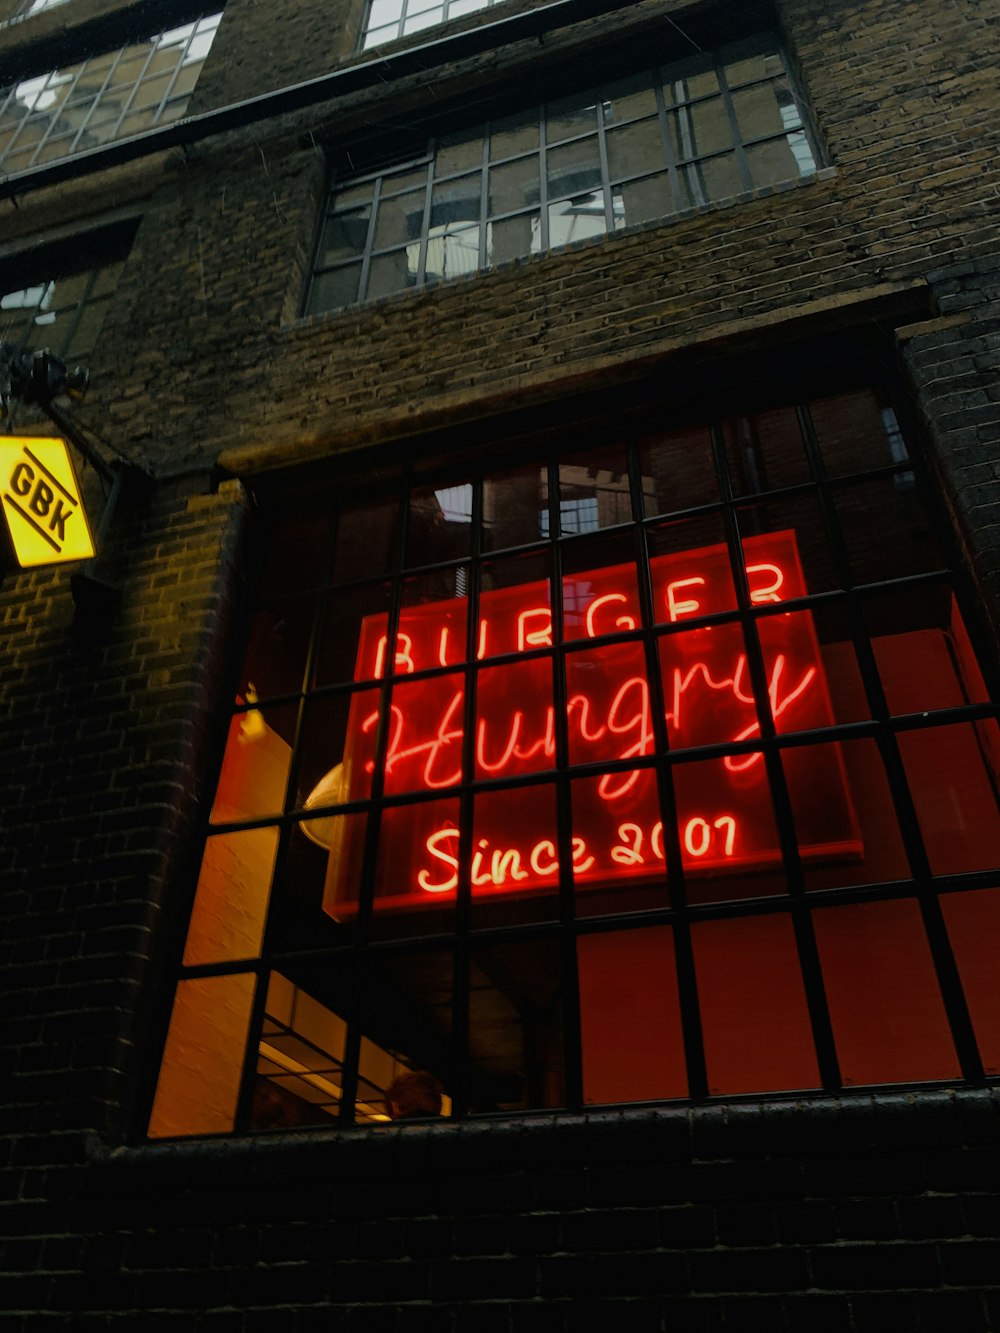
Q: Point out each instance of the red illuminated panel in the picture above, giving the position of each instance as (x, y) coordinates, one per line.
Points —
(725, 818)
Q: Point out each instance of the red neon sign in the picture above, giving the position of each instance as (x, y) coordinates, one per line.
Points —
(724, 815)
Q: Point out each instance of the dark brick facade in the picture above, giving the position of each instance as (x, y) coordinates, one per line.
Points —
(859, 1214)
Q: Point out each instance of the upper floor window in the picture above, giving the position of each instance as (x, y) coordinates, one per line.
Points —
(56, 295)
(646, 767)
(389, 19)
(28, 7)
(629, 151)
(104, 97)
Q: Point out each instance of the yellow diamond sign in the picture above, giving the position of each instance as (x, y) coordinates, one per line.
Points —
(41, 502)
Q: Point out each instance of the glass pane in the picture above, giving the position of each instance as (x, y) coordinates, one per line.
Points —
(577, 219)
(856, 433)
(365, 540)
(618, 846)
(458, 152)
(416, 875)
(399, 219)
(319, 873)
(765, 451)
(452, 251)
(515, 1027)
(608, 707)
(294, 556)
(765, 109)
(515, 863)
(887, 530)
(924, 656)
(952, 776)
(753, 1007)
(844, 815)
(203, 1058)
(351, 644)
(635, 148)
(716, 178)
(573, 168)
(405, 1064)
(276, 653)
(513, 238)
(600, 588)
(812, 668)
(630, 1030)
(514, 719)
(514, 134)
(706, 685)
(440, 525)
(677, 470)
(513, 502)
(336, 749)
(688, 82)
(344, 236)
(392, 273)
(792, 530)
(974, 928)
(885, 1006)
(425, 744)
(645, 200)
(331, 291)
(230, 905)
(299, 1059)
(569, 117)
(704, 128)
(255, 767)
(594, 490)
(755, 67)
(628, 99)
(689, 565)
(780, 160)
(514, 185)
(725, 825)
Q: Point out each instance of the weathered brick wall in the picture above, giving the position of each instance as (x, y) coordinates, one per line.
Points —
(857, 1217)
(106, 733)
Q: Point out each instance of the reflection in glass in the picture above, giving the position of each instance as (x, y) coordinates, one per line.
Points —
(633, 1048)
(888, 1018)
(515, 1051)
(753, 1006)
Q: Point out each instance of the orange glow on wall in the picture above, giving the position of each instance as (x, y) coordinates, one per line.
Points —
(724, 810)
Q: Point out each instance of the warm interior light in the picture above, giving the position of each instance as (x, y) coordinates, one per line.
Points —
(328, 791)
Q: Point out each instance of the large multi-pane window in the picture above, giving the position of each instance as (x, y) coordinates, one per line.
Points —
(629, 151)
(655, 765)
(56, 295)
(388, 19)
(106, 96)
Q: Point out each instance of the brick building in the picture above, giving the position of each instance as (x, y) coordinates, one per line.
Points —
(544, 639)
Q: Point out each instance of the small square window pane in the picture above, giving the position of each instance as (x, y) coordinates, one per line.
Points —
(344, 236)
(421, 21)
(137, 124)
(514, 185)
(576, 219)
(573, 168)
(87, 329)
(570, 116)
(708, 125)
(780, 160)
(410, 178)
(392, 273)
(594, 490)
(513, 238)
(768, 108)
(629, 98)
(332, 290)
(635, 148)
(514, 134)
(151, 92)
(452, 253)
(460, 7)
(399, 219)
(761, 66)
(718, 178)
(456, 202)
(383, 12)
(375, 36)
(458, 152)
(685, 89)
(645, 200)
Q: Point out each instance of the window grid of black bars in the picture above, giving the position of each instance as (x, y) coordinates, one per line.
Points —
(883, 727)
(450, 218)
(103, 97)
